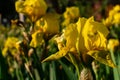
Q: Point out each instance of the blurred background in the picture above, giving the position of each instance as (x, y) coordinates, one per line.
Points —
(98, 8)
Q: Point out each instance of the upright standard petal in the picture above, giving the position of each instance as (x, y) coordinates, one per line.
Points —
(80, 40)
(94, 34)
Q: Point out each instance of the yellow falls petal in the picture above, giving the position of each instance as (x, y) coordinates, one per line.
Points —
(57, 55)
(102, 56)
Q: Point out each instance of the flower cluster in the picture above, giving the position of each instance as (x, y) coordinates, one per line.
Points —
(114, 16)
(81, 35)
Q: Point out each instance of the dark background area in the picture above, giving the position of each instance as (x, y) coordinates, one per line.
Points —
(7, 11)
(7, 7)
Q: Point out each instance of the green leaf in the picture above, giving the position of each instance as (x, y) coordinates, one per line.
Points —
(70, 74)
(52, 71)
(102, 56)
(37, 77)
(3, 68)
(116, 74)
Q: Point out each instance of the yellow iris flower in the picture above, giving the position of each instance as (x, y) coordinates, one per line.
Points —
(70, 15)
(94, 34)
(11, 45)
(71, 12)
(34, 9)
(48, 24)
(87, 37)
(92, 40)
(114, 16)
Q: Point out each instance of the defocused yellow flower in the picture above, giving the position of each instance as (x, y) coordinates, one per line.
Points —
(107, 21)
(11, 45)
(114, 16)
(111, 13)
(34, 9)
(71, 15)
(112, 44)
(48, 23)
(39, 24)
(71, 12)
(116, 8)
(19, 6)
(37, 38)
(51, 24)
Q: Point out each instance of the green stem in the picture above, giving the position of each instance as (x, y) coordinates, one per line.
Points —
(75, 64)
(18, 72)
